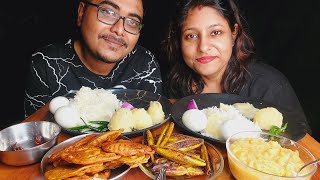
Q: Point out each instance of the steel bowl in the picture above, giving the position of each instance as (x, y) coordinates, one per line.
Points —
(26, 143)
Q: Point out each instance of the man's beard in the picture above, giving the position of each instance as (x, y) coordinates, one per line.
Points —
(104, 59)
(101, 57)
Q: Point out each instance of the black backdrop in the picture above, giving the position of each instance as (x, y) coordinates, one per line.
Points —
(286, 35)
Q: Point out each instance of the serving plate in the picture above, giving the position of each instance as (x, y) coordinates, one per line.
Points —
(297, 123)
(116, 174)
(139, 99)
(216, 160)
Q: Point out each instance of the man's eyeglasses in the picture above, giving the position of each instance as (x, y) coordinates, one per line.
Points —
(108, 16)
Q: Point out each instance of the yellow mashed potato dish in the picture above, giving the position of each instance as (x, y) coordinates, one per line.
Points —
(268, 157)
(246, 109)
(267, 117)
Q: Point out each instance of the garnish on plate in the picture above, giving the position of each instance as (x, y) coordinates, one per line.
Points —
(92, 126)
(275, 130)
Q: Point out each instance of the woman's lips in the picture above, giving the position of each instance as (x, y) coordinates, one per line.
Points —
(206, 59)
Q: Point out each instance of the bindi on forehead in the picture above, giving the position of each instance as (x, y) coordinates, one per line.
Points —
(200, 7)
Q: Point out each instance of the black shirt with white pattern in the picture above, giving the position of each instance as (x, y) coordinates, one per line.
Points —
(56, 70)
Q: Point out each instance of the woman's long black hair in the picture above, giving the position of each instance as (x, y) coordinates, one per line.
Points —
(182, 80)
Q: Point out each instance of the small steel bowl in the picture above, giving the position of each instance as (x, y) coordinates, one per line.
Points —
(26, 143)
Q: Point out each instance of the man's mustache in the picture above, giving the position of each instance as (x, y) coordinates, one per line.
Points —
(113, 38)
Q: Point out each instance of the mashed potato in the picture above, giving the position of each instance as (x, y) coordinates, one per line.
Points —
(268, 157)
(95, 104)
(155, 111)
(267, 117)
(141, 118)
(122, 118)
(246, 109)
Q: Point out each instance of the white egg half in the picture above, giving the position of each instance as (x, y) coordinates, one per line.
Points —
(194, 119)
(57, 102)
(68, 117)
(233, 126)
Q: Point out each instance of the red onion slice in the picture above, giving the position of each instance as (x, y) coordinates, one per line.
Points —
(127, 105)
(192, 104)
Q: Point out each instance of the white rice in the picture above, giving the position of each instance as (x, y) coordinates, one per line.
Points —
(95, 104)
(216, 116)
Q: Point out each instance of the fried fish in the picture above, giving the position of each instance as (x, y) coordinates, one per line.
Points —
(89, 155)
(82, 141)
(134, 161)
(105, 137)
(64, 172)
(127, 148)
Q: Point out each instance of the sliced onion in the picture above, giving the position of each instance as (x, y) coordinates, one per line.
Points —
(127, 105)
(192, 104)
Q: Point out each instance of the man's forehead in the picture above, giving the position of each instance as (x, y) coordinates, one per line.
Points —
(132, 6)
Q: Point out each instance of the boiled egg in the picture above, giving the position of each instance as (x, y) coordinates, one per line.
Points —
(68, 117)
(194, 119)
(57, 102)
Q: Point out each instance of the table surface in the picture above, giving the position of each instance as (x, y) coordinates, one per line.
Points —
(33, 171)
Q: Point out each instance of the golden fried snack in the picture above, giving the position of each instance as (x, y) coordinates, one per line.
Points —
(126, 148)
(100, 175)
(162, 134)
(205, 157)
(88, 155)
(184, 170)
(134, 161)
(186, 145)
(150, 142)
(64, 172)
(177, 137)
(80, 142)
(107, 136)
(113, 164)
(167, 134)
(83, 177)
(179, 156)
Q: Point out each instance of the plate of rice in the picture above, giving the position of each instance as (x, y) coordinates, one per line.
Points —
(99, 110)
(226, 114)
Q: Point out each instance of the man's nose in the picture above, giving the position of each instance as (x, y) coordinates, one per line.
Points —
(118, 27)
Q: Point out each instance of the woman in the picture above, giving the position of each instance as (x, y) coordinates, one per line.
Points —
(209, 51)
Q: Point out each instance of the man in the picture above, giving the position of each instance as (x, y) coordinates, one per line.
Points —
(105, 56)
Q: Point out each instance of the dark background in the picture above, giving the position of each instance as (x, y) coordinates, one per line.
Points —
(285, 32)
